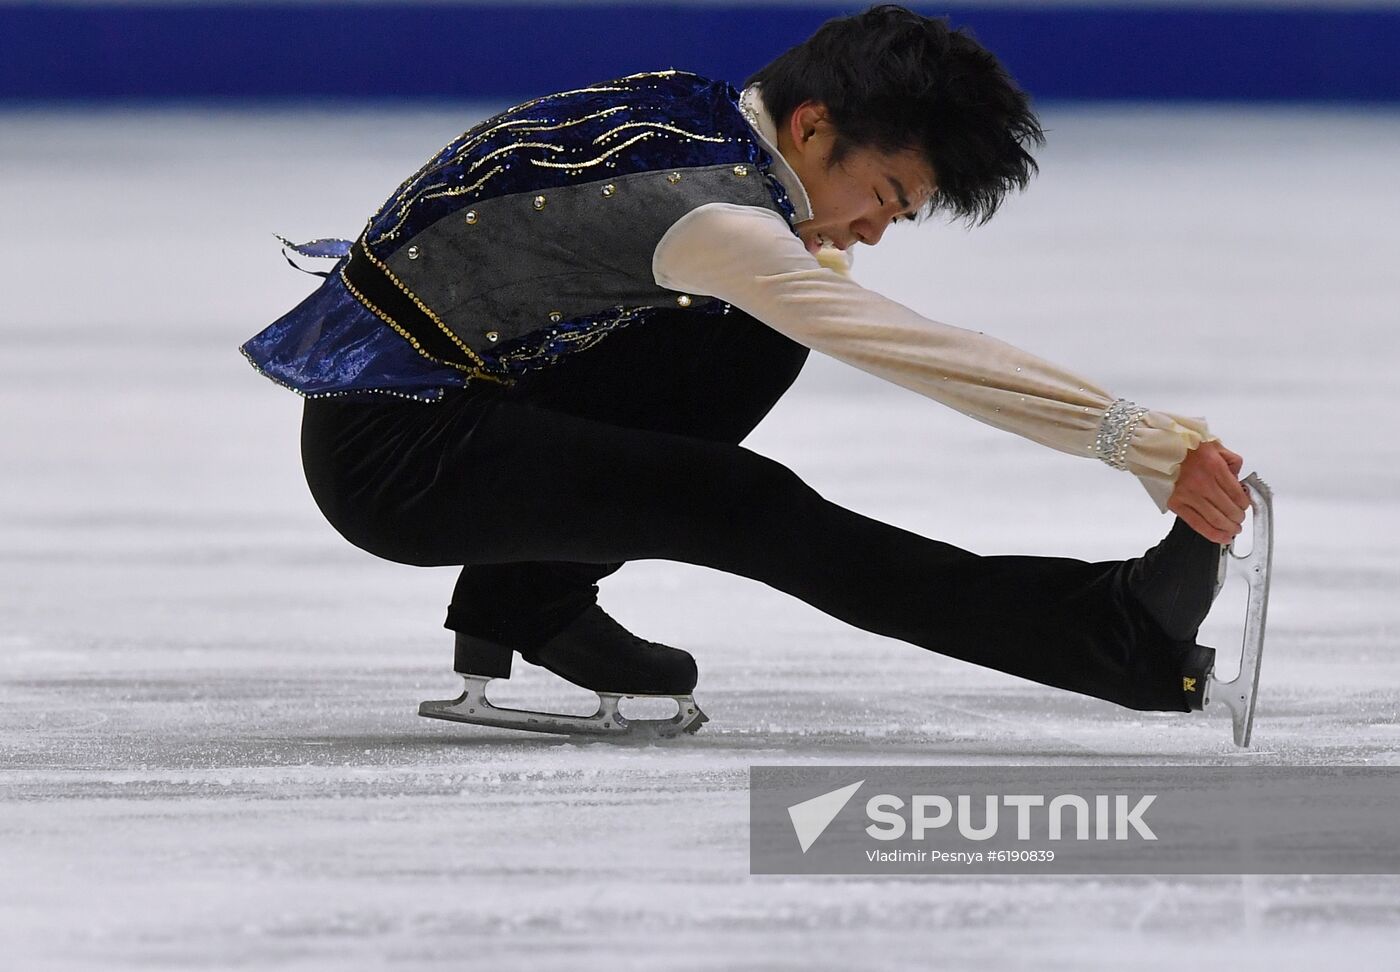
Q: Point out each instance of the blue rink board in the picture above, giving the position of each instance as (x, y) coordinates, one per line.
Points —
(474, 51)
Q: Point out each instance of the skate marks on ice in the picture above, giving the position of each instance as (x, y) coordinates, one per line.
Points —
(280, 817)
(278, 821)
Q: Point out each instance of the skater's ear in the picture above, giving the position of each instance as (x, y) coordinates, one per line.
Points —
(810, 132)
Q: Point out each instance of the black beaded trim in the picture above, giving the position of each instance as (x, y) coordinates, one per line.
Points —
(400, 309)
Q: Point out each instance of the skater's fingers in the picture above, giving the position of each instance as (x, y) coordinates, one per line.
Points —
(1231, 496)
(1198, 522)
(1226, 507)
(1232, 459)
(1218, 511)
(1234, 462)
(1217, 497)
(1212, 513)
(1206, 483)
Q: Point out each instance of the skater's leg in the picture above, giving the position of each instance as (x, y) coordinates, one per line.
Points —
(708, 376)
(523, 604)
(660, 376)
(518, 483)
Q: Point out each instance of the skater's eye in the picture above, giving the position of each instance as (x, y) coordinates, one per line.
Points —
(902, 217)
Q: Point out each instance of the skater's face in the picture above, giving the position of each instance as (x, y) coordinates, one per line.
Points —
(856, 199)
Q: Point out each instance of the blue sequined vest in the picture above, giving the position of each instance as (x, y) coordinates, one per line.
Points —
(527, 238)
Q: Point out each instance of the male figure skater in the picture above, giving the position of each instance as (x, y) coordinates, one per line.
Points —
(539, 359)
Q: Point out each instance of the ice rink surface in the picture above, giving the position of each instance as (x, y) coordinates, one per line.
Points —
(209, 752)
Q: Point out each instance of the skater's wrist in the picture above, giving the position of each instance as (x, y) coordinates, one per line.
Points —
(1160, 441)
(1155, 448)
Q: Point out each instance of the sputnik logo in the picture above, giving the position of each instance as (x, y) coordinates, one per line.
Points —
(810, 818)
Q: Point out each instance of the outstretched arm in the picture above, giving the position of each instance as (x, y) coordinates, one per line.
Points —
(749, 257)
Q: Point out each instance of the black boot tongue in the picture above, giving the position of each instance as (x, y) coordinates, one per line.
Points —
(1175, 581)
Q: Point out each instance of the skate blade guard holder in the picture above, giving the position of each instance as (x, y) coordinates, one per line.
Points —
(1240, 694)
(473, 708)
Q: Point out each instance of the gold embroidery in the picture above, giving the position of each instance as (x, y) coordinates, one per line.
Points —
(651, 124)
(462, 150)
(513, 122)
(468, 145)
(591, 162)
(426, 194)
(510, 148)
(459, 190)
(579, 121)
(562, 94)
(539, 125)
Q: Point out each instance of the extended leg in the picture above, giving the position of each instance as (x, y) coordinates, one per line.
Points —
(527, 484)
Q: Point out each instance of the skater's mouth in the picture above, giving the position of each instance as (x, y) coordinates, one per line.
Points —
(821, 239)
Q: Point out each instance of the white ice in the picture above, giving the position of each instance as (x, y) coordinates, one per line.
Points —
(211, 757)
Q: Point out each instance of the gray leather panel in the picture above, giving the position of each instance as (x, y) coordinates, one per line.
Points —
(584, 252)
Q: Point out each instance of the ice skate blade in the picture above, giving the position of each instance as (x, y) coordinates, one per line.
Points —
(473, 708)
(1240, 694)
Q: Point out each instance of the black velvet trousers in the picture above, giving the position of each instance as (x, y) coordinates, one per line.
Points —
(629, 451)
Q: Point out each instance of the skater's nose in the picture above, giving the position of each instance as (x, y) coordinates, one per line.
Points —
(871, 229)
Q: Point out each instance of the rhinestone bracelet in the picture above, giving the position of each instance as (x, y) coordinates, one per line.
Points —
(1116, 432)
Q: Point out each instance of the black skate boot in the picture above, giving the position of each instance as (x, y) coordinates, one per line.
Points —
(598, 653)
(1197, 668)
(594, 652)
(1176, 581)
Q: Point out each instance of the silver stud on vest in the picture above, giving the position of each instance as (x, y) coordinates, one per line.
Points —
(683, 300)
(471, 217)
(741, 170)
(539, 203)
(555, 316)
(609, 190)
(413, 252)
(673, 178)
(493, 336)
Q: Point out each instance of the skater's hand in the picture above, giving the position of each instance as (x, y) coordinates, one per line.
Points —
(1208, 496)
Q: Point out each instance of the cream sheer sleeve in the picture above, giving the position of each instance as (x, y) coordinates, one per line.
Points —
(750, 258)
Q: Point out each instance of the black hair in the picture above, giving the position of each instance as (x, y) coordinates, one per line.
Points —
(894, 81)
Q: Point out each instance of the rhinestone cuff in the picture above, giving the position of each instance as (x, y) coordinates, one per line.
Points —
(1116, 432)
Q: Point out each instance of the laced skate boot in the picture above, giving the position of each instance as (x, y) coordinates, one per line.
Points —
(594, 652)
